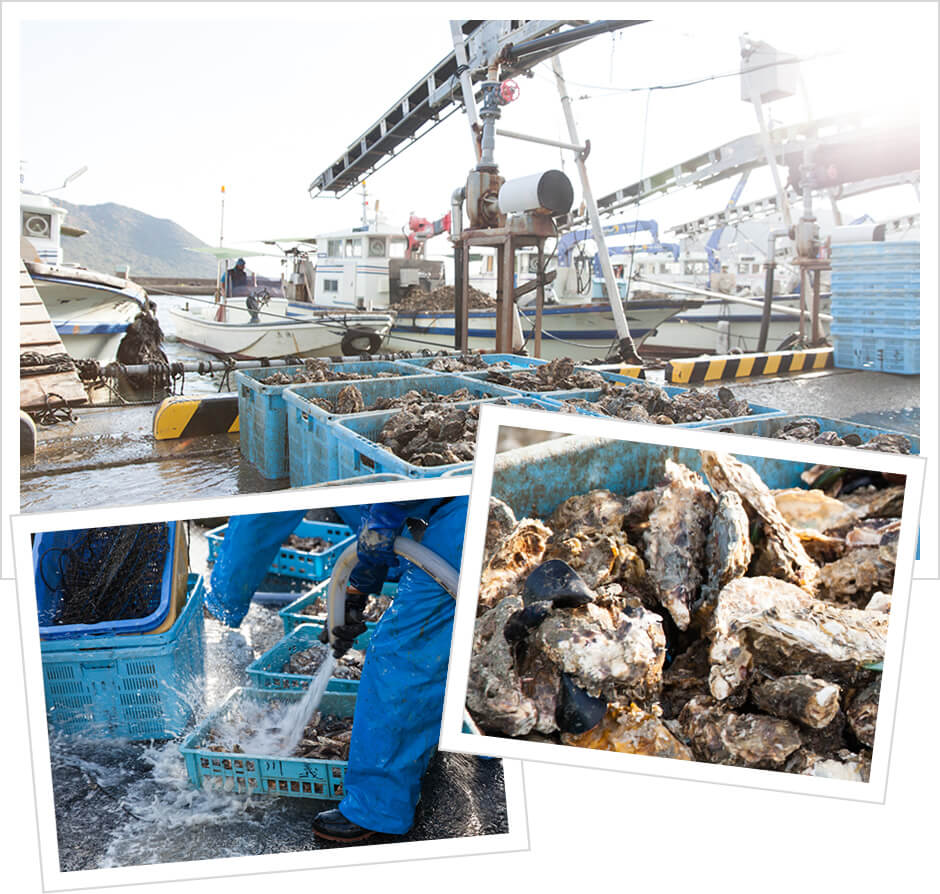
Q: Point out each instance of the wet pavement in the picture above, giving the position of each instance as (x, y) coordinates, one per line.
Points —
(121, 803)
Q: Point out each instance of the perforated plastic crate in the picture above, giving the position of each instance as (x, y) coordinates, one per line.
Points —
(47, 547)
(358, 453)
(876, 312)
(267, 672)
(874, 251)
(312, 451)
(875, 280)
(767, 427)
(292, 777)
(134, 686)
(292, 615)
(262, 413)
(896, 354)
(295, 563)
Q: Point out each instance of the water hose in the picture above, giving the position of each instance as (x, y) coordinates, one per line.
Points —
(429, 562)
(425, 559)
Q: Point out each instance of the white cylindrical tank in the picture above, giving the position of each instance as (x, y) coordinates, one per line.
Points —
(548, 192)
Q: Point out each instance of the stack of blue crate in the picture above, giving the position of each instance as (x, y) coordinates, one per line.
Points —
(876, 306)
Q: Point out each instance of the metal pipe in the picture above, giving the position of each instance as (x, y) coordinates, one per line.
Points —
(627, 347)
(769, 287)
(521, 136)
(732, 299)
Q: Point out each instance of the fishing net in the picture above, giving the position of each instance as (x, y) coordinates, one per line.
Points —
(107, 574)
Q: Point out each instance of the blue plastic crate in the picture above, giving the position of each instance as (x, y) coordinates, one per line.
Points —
(516, 360)
(614, 378)
(875, 312)
(535, 480)
(895, 354)
(888, 329)
(135, 686)
(291, 562)
(258, 774)
(843, 252)
(312, 452)
(267, 672)
(48, 544)
(769, 426)
(595, 394)
(358, 453)
(868, 281)
(292, 615)
(262, 413)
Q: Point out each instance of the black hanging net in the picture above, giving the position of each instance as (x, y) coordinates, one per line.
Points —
(107, 574)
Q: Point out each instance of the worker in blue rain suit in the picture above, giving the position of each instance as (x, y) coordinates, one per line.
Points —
(401, 694)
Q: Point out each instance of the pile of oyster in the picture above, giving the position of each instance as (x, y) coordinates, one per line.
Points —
(349, 400)
(375, 608)
(808, 429)
(326, 737)
(429, 435)
(308, 544)
(463, 363)
(318, 370)
(709, 618)
(646, 402)
(556, 375)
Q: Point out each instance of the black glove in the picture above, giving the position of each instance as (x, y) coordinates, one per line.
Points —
(352, 625)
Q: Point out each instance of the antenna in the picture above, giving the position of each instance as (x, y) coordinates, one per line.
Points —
(73, 176)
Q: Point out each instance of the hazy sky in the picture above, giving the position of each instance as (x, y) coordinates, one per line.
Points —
(166, 103)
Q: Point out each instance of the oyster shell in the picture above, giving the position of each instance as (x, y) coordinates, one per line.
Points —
(728, 550)
(739, 740)
(349, 400)
(858, 574)
(862, 713)
(599, 556)
(515, 557)
(674, 541)
(500, 522)
(812, 509)
(800, 697)
(843, 765)
(780, 554)
(631, 731)
(598, 509)
(768, 623)
(494, 693)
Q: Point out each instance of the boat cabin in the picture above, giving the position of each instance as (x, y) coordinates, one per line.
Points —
(41, 225)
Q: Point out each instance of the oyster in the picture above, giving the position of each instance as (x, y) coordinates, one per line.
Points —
(858, 574)
(431, 435)
(843, 765)
(631, 731)
(780, 554)
(674, 541)
(599, 557)
(800, 697)
(728, 550)
(515, 557)
(741, 740)
(875, 502)
(349, 400)
(494, 692)
(862, 713)
(768, 623)
(598, 509)
(499, 523)
(812, 509)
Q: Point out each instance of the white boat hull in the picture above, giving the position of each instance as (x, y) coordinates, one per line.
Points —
(236, 336)
(582, 332)
(90, 311)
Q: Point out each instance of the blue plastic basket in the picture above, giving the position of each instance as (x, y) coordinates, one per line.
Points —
(848, 251)
(312, 451)
(291, 562)
(48, 601)
(134, 686)
(358, 453)
(253, 774)
(896, 354)
(768, 427)
(267, 672)
(595, 394)
(875, 281)
(292, 615)
(262, 413)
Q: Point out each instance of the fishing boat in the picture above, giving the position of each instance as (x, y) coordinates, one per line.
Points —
(252, 324)
(91, 311)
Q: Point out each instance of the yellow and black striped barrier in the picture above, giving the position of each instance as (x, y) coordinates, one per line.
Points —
(635, 372)
(743, 366)
(187, 417)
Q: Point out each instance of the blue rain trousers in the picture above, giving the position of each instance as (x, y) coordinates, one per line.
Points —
(401, 695)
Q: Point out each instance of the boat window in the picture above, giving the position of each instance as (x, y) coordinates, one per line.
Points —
(688, 268)
(334, 248)
(755, 268)
(353, 248)
(664, 268)
(396, 248)
(376, 247)
(37, 225)
(331, 285)
(533, 263)
(742, 268)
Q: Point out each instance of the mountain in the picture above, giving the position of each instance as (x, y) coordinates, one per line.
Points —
(118, 235)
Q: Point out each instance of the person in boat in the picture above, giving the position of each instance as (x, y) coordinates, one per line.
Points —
(237, 280)
(401, 694)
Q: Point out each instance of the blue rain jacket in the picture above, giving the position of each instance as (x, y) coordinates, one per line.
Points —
(401, 695)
